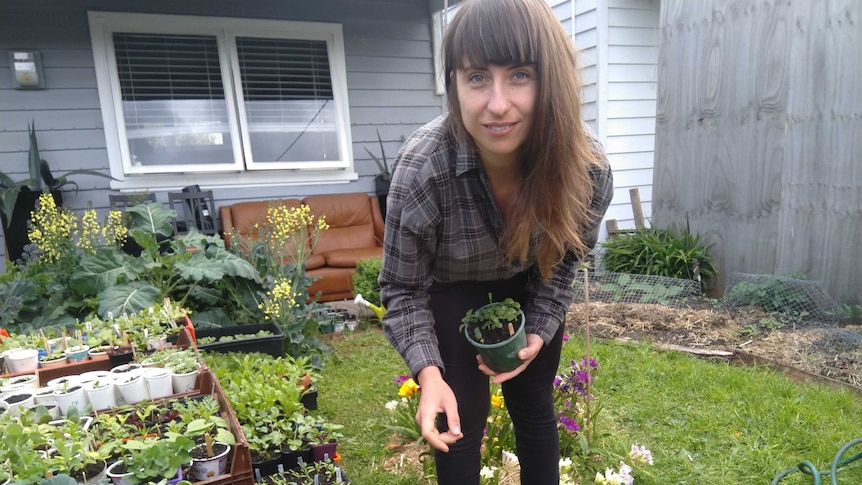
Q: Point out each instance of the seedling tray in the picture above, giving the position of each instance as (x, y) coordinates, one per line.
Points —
(243, 339)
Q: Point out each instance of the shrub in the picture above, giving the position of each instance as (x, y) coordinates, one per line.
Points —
(365, 279)
(670, 252)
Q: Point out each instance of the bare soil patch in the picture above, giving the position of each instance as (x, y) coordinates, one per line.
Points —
(831, 351)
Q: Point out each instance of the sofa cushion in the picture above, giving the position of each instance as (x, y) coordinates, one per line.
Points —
(350, 221)
(314, 262)
(347, 258)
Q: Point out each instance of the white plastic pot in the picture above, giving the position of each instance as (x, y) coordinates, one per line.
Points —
(17, 400)
(184, 382)
(74, 396)
(132, 387)
(22, 360)
(116, 478)
(45, 395)
(209, 468)
(103, 396)
(158, 381)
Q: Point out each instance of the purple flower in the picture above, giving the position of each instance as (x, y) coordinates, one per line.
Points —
(565, 337)
(569, 424)
(401, 380)
(557, 381)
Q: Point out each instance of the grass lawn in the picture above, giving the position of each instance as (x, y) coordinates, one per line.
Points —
(706, 422)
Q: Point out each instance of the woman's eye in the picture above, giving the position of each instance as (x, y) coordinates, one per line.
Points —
(476, 78)
(521, 76)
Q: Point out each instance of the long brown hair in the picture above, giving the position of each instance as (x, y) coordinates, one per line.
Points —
(556, 193)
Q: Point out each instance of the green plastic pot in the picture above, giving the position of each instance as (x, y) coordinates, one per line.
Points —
(502, 356)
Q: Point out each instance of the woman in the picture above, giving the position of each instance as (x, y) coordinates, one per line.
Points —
(502, 195)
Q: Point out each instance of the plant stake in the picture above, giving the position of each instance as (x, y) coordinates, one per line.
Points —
(587, 346)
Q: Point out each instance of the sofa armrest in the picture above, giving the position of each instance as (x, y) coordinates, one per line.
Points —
(377, 218)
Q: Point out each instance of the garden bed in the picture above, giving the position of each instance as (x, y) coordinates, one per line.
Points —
(829, 350)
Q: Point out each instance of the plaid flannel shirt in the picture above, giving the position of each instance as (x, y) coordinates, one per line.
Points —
(442, 224)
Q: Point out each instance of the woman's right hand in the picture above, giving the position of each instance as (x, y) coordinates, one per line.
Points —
(437, 397)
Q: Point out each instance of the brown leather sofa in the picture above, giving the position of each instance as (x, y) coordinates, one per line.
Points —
(355, 232)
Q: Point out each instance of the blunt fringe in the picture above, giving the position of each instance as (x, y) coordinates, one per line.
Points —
(556, 193)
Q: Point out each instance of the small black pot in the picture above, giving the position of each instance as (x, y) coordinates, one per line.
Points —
(120, 356)
(308, 399)
(266, 468)
(291, 459)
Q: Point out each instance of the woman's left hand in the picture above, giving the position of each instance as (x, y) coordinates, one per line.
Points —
(527, 354)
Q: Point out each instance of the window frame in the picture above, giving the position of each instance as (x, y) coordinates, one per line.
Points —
(244, 171)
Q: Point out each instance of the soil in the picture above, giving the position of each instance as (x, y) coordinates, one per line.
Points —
(200, 453)
(494, 335)
(830, 351)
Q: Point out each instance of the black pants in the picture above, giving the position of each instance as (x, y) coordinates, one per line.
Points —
(528, 397)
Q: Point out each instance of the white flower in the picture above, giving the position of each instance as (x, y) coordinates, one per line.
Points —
(626, 474)
(510, 461)
(609, 478)
(392, 405)
(641, 454)
(565, 463)
(487, 472)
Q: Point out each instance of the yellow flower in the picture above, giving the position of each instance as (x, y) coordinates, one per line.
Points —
(497, 399)
(279, 300)
(51, 228)
(89, 235)
(408, 389)
(114, 231)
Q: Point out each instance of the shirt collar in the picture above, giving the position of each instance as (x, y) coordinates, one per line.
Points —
(466, 158)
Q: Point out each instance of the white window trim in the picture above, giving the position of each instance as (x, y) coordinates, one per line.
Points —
(103, 24)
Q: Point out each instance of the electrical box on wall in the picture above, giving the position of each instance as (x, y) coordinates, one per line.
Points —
(27, 70)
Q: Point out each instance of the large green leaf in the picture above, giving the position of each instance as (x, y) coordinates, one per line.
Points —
(200, 268)
(233, 264)
(212, 318)
(152, 218)
(205, 295)
(127, 298)
(103, 269)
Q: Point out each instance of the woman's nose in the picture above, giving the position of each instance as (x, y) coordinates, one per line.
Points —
(498, 101)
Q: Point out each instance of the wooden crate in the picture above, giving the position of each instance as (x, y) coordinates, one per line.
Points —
(240, 471)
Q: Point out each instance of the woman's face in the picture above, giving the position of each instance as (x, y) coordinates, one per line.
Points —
(496, 108)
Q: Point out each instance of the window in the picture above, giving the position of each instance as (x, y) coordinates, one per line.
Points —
(221, 102)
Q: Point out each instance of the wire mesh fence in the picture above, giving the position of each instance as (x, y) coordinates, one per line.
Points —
(610, 287)
(781, 295)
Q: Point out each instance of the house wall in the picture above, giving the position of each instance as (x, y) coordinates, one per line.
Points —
(758, 135)
(389, 74)
(618, 41)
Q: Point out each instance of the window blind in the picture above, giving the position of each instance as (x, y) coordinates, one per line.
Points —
(169, 80)
(285, 81)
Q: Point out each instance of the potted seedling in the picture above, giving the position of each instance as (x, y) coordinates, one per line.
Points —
(122, 353)
(496, 330)
(153, 459)
(209, 459)
(79, 352)
(70, 396)
(52, 359)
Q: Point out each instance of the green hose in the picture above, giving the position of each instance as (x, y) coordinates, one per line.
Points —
(809, 469)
